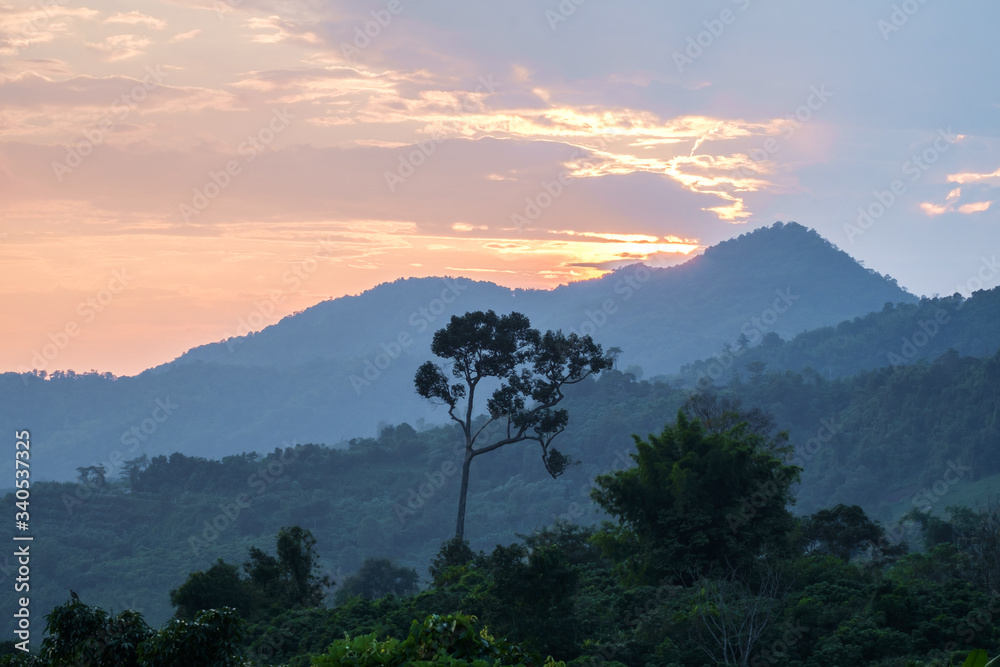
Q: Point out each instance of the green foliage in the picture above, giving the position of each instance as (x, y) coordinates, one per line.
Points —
(533, 371)
(78, 633)
(451, 640)
(288, 581)
(553, 591)
(363, 651)
(896, 335)
(844, 531)
(213, 637)
(697, 500)
(92, 476)
(377, 578)
(219, 586)
(530, 596)
(979, 658)
(894, 434)
(298, 569)
(450, 562)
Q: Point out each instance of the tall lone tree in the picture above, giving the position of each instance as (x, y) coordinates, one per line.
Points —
(532, 369)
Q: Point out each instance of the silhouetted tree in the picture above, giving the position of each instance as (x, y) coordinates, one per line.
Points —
(531, 367)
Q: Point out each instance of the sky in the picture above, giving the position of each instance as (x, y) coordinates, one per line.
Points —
(172, 169)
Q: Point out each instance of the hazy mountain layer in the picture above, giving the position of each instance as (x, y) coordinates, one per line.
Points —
(338, 369)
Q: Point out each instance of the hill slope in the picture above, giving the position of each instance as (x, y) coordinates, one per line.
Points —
(922, 436)
(338, 369)
(661, 318)
(897, 335)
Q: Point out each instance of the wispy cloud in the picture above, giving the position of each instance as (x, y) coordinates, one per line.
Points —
(281, 30)
(982, 184)
(970, 177)
(23, 28)
(120, 47)
(184, 36)
(137, 18)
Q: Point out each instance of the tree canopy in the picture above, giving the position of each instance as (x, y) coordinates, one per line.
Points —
(290, 580)
(531, 368)
(697, 500)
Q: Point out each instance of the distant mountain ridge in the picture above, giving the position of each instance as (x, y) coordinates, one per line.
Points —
(338, 369)
(698, 306)
(898, 335)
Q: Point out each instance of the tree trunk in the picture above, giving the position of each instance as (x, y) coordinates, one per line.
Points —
(460, 524)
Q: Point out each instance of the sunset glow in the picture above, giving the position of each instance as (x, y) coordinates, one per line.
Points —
(209, 148)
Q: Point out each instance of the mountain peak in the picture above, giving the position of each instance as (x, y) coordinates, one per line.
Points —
(797, 250)
(663, 318)
(779, 239)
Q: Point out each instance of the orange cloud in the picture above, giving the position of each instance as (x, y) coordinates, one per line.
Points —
(951, 202)
(975, 207)
(972, 177)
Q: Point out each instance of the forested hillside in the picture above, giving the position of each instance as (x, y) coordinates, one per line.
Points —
(338, 370)
(886, 440)
(703, 564)
(897, 335)
(193, 466)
